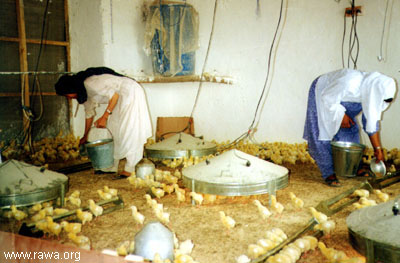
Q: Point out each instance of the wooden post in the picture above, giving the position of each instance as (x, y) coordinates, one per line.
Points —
(23, 60)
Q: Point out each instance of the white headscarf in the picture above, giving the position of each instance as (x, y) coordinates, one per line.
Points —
(369, 89)
(375, 88)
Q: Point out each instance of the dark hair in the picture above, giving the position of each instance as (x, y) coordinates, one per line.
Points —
(388, 100)
(68, 84)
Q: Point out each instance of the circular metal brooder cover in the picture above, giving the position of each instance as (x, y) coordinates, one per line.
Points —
(235, 173)
(180, 145)
(23, 184)
(375, 232)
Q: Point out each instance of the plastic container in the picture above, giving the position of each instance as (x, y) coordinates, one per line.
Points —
(346, 157)
(171, 47)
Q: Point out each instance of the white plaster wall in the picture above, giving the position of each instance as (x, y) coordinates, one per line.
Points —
(308, 44)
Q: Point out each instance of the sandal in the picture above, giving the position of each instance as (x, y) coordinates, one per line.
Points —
(365, 173)
(332, 181)
(120, 176)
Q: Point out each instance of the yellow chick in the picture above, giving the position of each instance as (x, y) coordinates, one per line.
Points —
(313, 241)
(198, 198)
(162, 216)
(53, 228)
(75, 194)
(186, 247)
(183, 259)
(42, 225)
(264, 211)
(243, 259)
(279, 258)
(266, 244)
(39, 216)
(103, 195)
(71, 227)
(81, 241)
(292, 252)
(49, 210)
(383, 197)
(332, 254)
(35, 208)
(138, 217)
(227, 221)
(254, 251)
(112, 191)
(60, 211)
(125, 248)
(18, 214)
(209, 199)
(84, 216)
(95, 209)
(274, 237)
(353, 260)
(169, 189)
(276, 206)
(180, 193)
(320, 217)
(303, 244)
(74, 199)
(361, 193)
(148, 200)
(326, 226)
(296, 202)
(367, 202)
(279, 232)
(157, 192)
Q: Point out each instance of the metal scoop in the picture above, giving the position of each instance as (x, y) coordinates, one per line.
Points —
(378, 168)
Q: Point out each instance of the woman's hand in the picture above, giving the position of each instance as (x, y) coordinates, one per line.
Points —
(347, 122)
(378, 153)
(101, 122)
(83, 140)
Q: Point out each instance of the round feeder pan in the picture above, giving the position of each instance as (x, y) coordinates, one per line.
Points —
(24, 184)
(180, 145)
(235, 173)
(375, 232)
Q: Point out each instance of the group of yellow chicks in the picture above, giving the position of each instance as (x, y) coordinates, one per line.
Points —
(363, 195)
(41, 214)
(46, 150)
(392, 155)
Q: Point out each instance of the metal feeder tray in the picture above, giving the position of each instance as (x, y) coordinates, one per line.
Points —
(23, 184)
(180, 145)
(235, 173)
(375, 232)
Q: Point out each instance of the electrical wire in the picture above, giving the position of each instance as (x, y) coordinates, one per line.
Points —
(201, 76)
(251, 127)
(269, 66)
(353, 37)
(344, 36)
(380, 57)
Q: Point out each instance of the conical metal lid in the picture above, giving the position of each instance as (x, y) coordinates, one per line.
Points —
(180, 145)
(22, 183)
(377, 223)
(235, 173)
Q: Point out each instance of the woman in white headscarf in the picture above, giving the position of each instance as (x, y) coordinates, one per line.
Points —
(334, 100)
(126, 115)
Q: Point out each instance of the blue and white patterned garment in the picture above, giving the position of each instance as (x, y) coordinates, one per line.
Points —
(320, 150)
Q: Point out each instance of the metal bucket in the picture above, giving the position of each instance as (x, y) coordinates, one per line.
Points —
(346, 157)
(101, 153)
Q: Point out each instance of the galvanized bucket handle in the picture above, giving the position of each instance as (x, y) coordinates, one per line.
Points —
(112, 136)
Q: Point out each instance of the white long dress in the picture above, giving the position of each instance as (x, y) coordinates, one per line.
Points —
(129, 122)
